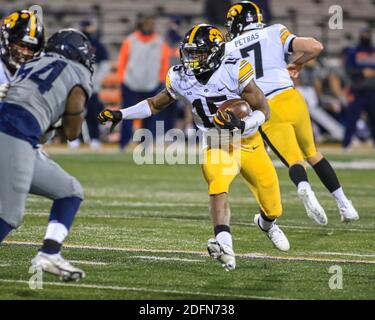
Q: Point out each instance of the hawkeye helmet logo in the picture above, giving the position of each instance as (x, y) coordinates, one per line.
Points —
(11, 20)
(215, 34)
(234, 11)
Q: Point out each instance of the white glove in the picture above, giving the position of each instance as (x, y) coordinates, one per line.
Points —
(4, 90)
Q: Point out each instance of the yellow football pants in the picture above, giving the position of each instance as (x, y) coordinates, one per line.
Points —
(251, 160)
(288, 132)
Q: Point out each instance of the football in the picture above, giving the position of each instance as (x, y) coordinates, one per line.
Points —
(239, 107)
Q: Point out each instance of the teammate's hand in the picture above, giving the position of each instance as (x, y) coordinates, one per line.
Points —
(294, 69)
(228, 120)
(3, 90)
(110, 115)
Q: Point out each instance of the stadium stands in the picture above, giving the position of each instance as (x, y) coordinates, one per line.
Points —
(117, 16)
(116, 19)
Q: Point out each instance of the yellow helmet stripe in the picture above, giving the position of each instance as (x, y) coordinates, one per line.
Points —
(257, 10)
(192, 34)
(32, 25)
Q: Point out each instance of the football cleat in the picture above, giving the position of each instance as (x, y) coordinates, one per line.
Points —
(275, 234)
(313, 208)
(224, 254)
(348, 212)
(55, 264)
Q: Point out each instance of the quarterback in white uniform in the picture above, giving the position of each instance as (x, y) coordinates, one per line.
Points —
(265, 49)
(288, 131)
(206, 79)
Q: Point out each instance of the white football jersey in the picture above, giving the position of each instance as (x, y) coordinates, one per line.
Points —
(227, 82)
(5, 76)
(265, 49)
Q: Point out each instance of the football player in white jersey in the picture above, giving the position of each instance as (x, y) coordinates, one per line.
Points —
(205, 80)
(288, 132)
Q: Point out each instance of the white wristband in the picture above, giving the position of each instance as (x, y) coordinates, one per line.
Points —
(139, 111)
(253, 122)
(259, 116)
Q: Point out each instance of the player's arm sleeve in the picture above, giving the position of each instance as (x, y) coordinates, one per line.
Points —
(286, 38)
(245, 74)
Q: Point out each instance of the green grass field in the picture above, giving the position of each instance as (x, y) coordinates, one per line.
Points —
(142, 231)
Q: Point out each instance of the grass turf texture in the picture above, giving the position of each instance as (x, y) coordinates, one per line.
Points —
(155, 218)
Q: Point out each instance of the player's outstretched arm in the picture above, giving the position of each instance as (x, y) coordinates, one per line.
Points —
(143, 109)
(304, 49)
(73, 117)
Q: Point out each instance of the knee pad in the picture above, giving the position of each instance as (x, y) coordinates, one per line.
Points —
(70, 188)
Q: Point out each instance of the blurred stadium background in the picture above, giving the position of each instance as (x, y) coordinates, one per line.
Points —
(326, 83)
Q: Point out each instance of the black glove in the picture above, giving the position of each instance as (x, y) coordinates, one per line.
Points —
(228, 120)
(110, 115)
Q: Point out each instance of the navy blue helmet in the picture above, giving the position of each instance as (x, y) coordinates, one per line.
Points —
(73, 45)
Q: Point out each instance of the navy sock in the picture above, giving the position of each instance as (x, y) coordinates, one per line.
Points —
(5, 229)
(64, 210)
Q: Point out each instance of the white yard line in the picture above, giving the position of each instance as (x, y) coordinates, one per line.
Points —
(303, 259)
(165, 258)
(202, 253)
(140, 289)
(355, 164)
(347, 254)
(98, 248)
(93, 263)
(314, 228)
(251, 224)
